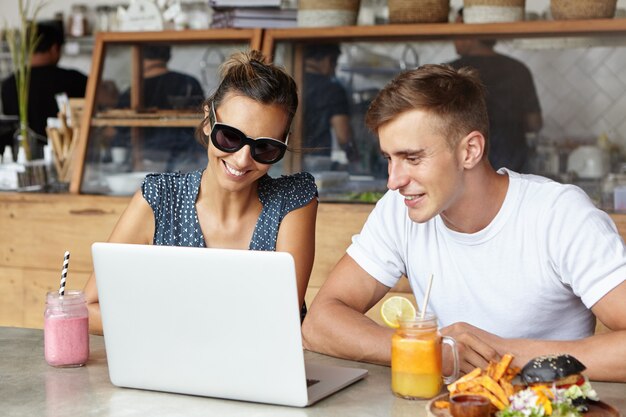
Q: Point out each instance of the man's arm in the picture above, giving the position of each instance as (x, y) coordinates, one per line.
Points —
(340, 123)
(533, 122)
(336, 323)
(603, 354)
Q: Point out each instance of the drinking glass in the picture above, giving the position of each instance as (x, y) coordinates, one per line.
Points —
(416, 348)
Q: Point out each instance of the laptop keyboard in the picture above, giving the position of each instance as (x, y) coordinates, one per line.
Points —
(311, 382)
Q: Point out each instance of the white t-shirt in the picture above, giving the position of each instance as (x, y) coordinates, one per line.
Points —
(534, 272)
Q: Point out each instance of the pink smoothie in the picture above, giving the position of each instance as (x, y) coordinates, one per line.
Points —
(66, 341)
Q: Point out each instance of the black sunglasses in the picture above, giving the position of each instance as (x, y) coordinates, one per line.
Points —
(230, 139)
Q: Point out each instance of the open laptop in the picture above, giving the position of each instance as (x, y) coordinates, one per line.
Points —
(212, 322)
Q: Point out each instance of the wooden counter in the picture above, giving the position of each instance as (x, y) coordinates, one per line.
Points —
(36, 229)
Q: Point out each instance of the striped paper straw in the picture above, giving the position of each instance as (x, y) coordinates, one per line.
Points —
(66, 264)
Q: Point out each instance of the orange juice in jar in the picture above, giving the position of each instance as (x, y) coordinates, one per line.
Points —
(416, 359)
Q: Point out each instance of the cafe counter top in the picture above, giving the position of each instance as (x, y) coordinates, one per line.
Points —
(29, 387)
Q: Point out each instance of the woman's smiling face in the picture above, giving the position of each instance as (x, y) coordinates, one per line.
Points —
(236, 171)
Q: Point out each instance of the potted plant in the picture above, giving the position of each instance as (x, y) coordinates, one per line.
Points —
(22, 41)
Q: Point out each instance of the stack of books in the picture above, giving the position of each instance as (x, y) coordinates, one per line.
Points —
(252, 14)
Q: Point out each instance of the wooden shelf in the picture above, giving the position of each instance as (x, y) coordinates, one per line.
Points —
(252, 36)
(447, 31)
(148, 122)
(156, 118)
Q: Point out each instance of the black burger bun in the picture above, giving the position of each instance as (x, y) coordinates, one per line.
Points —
(560, 369)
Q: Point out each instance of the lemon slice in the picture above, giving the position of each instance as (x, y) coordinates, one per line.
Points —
(396, 308)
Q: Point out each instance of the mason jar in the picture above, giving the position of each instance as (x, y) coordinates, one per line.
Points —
(77, 25)
(416, 359)
(66, 329)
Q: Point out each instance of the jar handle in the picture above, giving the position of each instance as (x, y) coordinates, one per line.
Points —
(455, 355)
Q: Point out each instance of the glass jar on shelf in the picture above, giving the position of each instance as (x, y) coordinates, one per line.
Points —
(102, 19)
(199, 15)
(608, 188)
(78, 25)
(614, 190)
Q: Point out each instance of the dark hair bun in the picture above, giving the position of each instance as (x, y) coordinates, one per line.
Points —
(550, 368)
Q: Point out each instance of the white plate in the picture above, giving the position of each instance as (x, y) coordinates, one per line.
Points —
(126, 183)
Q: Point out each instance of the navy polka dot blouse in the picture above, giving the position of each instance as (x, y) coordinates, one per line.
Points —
(172, 197)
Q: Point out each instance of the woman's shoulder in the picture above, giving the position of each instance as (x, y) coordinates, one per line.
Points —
(298, 189)
(301, 181)
(161, 185)
(172, 178)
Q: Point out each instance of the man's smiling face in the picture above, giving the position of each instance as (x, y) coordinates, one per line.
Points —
(422, 166)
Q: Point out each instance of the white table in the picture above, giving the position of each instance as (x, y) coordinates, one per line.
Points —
(29, 387)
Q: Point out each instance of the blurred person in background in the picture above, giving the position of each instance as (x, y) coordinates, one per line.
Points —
(512, 102)
(326, 106)
(47, 79)
(166, 89)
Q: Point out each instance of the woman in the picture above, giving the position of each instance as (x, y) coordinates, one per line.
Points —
(233, 203)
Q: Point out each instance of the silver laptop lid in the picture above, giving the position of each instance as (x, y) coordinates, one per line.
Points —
(214, 322)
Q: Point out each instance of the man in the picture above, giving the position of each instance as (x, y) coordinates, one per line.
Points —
(162, 87)
(166, 89)
(512, 102)
(521, 264)
(46, 81)
(326, 106)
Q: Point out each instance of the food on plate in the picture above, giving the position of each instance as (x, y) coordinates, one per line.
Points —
(441, 404)
(553, 385)
(494, 382)
(558, 369)
(470, 405)
(556, 387)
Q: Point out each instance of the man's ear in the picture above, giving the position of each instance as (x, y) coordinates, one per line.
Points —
(472, 147)
(55, 49)
(53, 55)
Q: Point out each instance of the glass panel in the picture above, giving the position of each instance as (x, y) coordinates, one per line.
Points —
(581, 88)
(577, 105)
(152, 149)
(155, 131)
(174, 76)
(338, 84)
